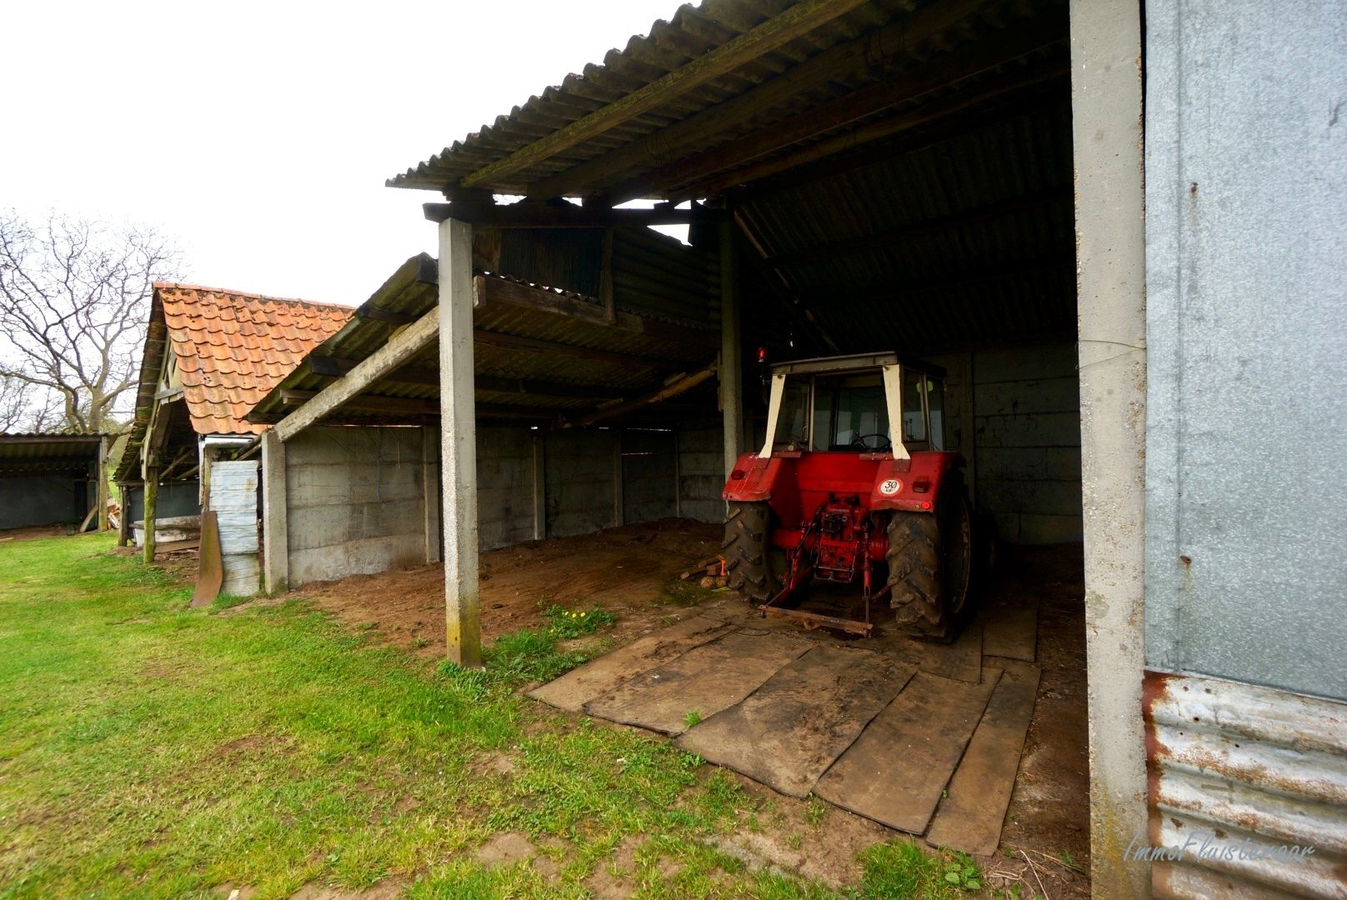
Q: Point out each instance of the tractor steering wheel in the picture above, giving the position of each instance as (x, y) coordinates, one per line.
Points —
(859, 441)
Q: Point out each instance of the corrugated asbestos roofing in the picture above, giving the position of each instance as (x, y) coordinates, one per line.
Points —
(28, 452)
(232, 348)
(751, 97)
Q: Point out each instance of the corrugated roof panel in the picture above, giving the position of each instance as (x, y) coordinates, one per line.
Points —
(690, 34)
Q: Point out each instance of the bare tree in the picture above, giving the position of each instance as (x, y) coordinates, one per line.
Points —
(74, 297)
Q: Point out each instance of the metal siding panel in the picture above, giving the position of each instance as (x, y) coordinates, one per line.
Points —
(1247, 357)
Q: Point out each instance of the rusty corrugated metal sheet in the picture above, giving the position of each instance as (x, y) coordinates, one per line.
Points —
(1244, 779)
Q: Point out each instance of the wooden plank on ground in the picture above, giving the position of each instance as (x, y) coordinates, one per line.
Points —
(705, 680)
(787, 732)
(895, 771)
(961, 659)
(1011, 632)
(578, 686)
(970, 817)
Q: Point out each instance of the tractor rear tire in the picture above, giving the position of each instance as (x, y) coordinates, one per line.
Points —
(930, 561)
(753, 564)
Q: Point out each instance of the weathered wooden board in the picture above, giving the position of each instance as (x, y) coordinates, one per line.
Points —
(961, 659)
(895, 771)
(578, 686)
(705, 680)
(1011, 632)
(787, 732)
(210, 568)
(970, 817)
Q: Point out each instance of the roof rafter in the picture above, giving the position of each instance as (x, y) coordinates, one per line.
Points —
(690, 174)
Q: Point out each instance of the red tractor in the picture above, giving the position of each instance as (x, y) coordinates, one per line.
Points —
(832, 497)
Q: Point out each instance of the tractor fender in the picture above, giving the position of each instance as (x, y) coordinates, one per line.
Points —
(752, 478)
(913, 484)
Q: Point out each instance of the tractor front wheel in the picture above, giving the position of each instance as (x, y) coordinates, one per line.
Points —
(753, 564)
(930, 560)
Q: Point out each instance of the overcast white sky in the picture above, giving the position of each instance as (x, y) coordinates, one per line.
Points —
(259, 134)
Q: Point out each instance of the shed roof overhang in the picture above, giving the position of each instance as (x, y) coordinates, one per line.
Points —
(541, 355)
(901, 171)
(50, 454)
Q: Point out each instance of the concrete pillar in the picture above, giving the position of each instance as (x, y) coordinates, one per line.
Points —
(151, 501)
(275, 524)
(1111, 262)
(458, 449)
(731, 352)
(430, 485)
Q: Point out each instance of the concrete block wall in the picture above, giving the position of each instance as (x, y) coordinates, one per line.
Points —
(582, 494)
(355, 501)
(649, 474)
(40, 500)
(701, 473)
(1026, 458)
(505, 484)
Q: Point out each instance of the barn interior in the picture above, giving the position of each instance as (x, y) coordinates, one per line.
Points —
(854, 177)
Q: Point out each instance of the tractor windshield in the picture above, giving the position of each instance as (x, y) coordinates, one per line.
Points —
(851, 410)
(850, 413)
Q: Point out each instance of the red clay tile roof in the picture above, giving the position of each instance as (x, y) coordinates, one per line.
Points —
(233, 348)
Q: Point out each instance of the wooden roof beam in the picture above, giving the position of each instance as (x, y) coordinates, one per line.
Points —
(429, 377)
(798, 20)
(487, 289)
(686, 177)
(526, 214)
(534, 345)
(876, 131)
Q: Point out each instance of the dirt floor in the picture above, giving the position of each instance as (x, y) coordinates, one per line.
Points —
(633, 572)
(626, 571)
(35, 532)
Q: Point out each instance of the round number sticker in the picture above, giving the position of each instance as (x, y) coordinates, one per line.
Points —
(890, 487)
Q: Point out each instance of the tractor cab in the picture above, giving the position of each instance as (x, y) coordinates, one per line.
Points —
(849, 404)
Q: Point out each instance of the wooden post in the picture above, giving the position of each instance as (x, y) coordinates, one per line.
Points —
(430, 486)
(151, 500)
(539, 487)
(731, 354)
(458, 453)
(124, 520)
(103, 484)
(618, 517)
(275, 524)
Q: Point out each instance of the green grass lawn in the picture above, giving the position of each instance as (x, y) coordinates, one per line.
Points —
(150, 750)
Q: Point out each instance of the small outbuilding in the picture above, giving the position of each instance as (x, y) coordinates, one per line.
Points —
(53, 479)
(210, 354)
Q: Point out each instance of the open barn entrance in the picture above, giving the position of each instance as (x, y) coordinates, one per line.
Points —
(858, 177)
